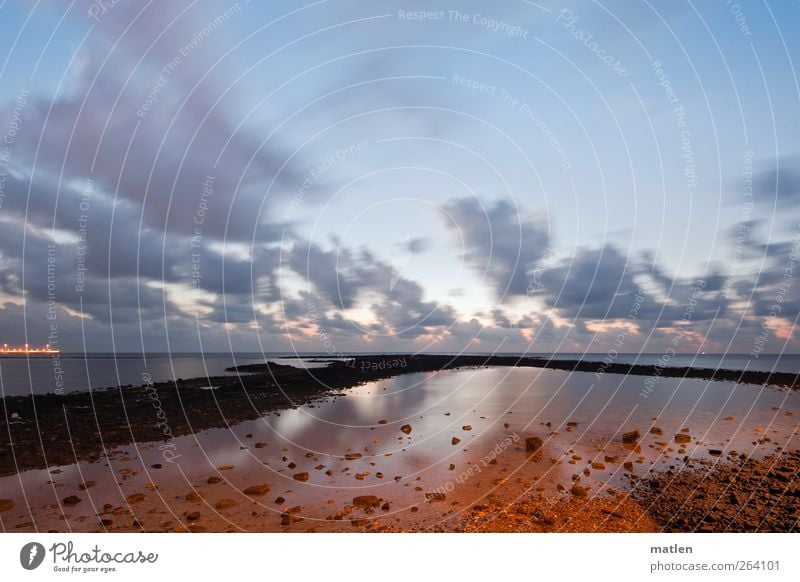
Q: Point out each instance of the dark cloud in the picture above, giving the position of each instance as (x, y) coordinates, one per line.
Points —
(503, 246)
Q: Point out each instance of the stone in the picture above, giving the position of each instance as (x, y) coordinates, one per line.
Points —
(258, 490)
(406, 428)
(135, 498)
(300, 477)
(455, 441)
(435, 496)
(466, 427)
(260, 445)
(194, 496)
(628, 466)
(715, 452)
(212, 480)
(533, 444)
(71, 500)
(630, 438)
(683, 438)
(452, 466)
(6, 504)
(193, 516)
(366, 501)
(656, 430)
(578, 491)
(598, 466)
(280, 501)
(156, 465)
(352, 456)
(225, 504)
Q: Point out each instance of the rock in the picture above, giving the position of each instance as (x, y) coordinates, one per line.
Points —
(435, 496)
(212, 480)
(194, 496)
(87, 485)
(135, 498)
(279, 501)
(578, 491)
(729, 418)
(193, 516)
(656, 430)
(628, 466)
(300, 476)
(406, 428)
(71, 500)
(715, 452)
(683, 438)
(382, 421)
(352, 456)
(225, 504)
(572, 424)
(385, 507)
(106, 522)
(598, 466)
(156, 465)
(609, 459)
(6, 504)
(455, 441)
(366, 501)
(452, 466)
(533, 444)
(506, 425)
(466, 427)
(260, 445)
(258, 490)
(630, 438)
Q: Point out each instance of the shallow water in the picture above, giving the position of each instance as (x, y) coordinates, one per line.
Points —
(490, 462)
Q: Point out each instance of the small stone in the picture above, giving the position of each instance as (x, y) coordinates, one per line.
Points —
(280, 501)
(455, 441)
(385, 507)
(352, 456)
(533, 444)
(630, 438)
(406, 428)
(715, 452)
(193, 516)
(466, 427)
(156, 465)
(225, 504)
(194, 496)
(71, 500)
(578, 491)
(258, 490)
(656, 430)
(382, 421)
(300, 477)
(366, 501)
(598, 466)
(6, 504)
(452, 466)
(86, 485)
(435, 496)
(212, 480)
(683, 438)
(628, 466)
(260, 445)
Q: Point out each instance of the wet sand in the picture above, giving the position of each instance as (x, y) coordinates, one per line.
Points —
(432, 451)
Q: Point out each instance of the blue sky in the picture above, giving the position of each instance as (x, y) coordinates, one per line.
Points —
(399, 175)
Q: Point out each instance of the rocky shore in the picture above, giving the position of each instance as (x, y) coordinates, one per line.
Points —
(46, 430)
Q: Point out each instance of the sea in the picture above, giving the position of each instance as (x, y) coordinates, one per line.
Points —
(70, 372)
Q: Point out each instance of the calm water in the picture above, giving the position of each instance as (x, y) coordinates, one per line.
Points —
(490, 411)
(39, 375)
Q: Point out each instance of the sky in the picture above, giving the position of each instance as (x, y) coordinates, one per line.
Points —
(339, 176)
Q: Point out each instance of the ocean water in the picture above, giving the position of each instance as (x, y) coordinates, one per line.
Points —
(74, 372)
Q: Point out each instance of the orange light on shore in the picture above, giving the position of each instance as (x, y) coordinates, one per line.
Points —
(29, 350)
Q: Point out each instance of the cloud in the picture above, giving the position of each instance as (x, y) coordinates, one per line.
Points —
(500, 244)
